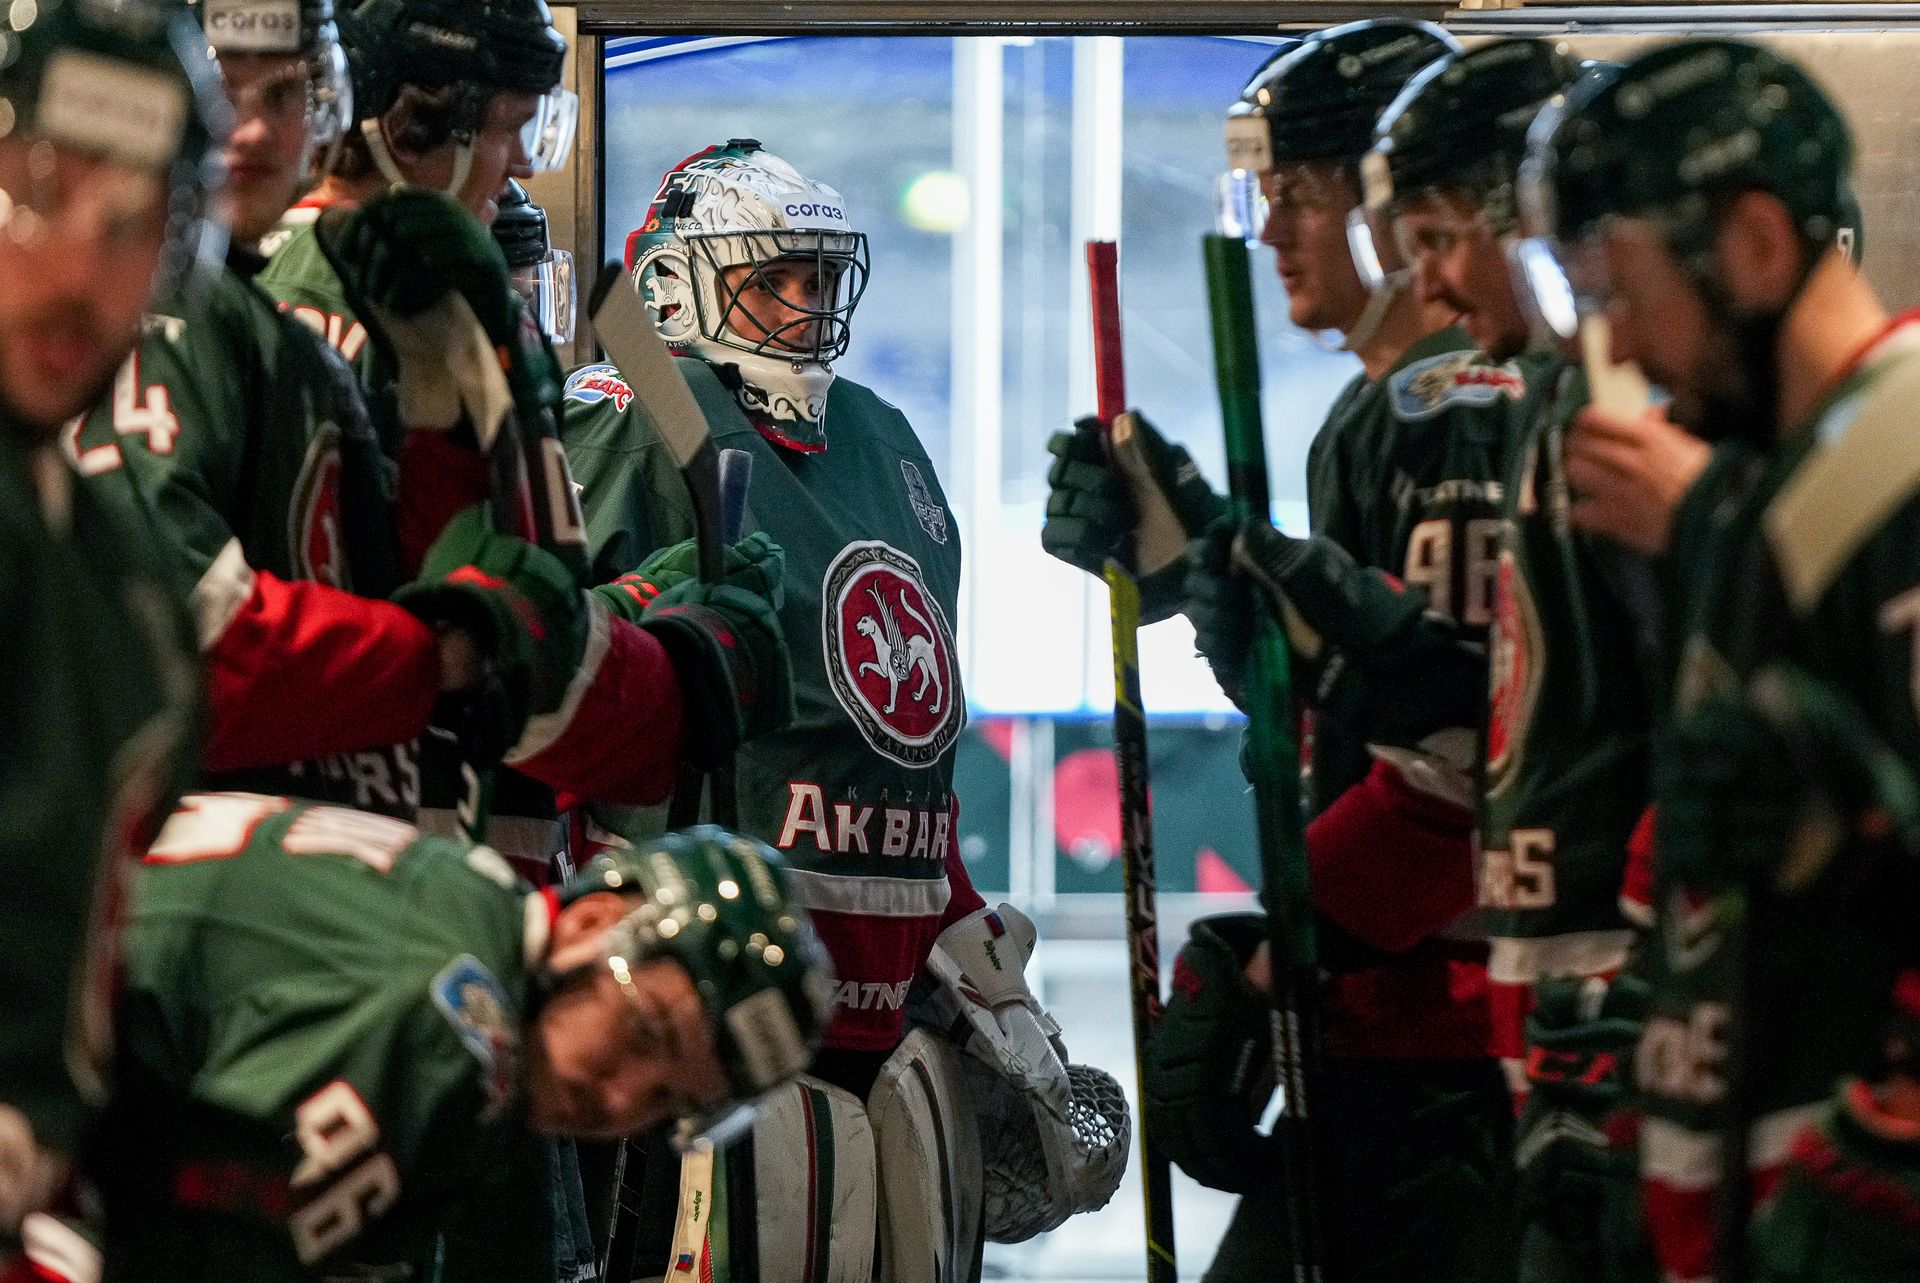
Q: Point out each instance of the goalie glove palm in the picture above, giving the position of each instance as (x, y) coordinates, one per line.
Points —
(983, 957)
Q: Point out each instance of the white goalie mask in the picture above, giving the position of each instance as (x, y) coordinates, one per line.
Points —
(754, 268)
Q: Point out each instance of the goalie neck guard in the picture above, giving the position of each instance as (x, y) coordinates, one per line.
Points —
(720, 221)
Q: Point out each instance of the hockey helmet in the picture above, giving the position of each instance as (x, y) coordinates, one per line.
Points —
(1459, 124)
(543, 275)
(1666, 140)
(736, 206)
(128, 81)
(719, 905)
(475, 48)
(303, 28)
(1316, 103)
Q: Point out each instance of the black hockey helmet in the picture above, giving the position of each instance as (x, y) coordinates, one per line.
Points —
(521, 228)
(1462, 121)
(1680, 129)
(303, 28)
(1320, 99)
(543, 275)
(129, 81)
(476, 47)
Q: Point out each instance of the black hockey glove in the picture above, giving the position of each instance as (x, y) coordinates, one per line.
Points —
(1143, 507)
(1210, 1069)
(428, 281)
(1578, 1190)
(729, 651)
(1773, 785)
(1367, 647)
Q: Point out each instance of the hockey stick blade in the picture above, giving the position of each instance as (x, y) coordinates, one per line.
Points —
(621, 324)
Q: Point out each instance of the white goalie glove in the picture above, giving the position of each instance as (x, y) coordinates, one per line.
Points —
(982, 959)
(1053, 1136)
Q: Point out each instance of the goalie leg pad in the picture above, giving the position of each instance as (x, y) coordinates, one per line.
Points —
(815, 1185)
(928, 1143)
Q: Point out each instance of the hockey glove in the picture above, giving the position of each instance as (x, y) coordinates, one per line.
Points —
(1774, 785)
(1141, 501)
(521, 607)
(1847, 1208)
(729, 651)
(1368, 648)
(676, 564)
(429, 282)
(1578, 1183)
(1210, 1070)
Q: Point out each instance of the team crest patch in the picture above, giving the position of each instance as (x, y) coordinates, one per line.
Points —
(1518, 644)
(592, 384)
(476, 1006)
(1439, 383)
(890, 654)
(933, 518)
(313, 522)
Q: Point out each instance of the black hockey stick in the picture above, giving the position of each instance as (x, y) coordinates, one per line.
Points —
(1130, 754)
(1274, 768)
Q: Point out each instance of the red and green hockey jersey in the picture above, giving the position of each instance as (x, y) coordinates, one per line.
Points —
(97, 721)
(1405, 476)
(858, 790)
(1810, 558)
(323, 1014)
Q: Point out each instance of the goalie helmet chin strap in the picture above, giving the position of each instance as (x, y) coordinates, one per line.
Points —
(390, 168)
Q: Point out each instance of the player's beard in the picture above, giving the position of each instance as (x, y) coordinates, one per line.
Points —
(85, 388)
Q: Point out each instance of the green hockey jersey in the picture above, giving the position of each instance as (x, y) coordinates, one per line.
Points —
(857, 791)
(97, 717)
(1569, 708)
(322, 1040)
(1809, 558)
(1405, 475)
(238, 444)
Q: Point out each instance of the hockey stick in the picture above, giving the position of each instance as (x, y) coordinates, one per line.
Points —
(1130, 753)
(635, 347)
(1274, 767)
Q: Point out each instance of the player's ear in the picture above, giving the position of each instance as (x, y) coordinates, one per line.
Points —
(1759, 251)
(580, 926)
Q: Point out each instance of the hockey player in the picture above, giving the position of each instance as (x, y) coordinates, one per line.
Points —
(108, 168)
(242, 444)
(1575, 643)
(1700, 199)
(542, 275)
(343, 1038)
(1402, 484)
(751, 272)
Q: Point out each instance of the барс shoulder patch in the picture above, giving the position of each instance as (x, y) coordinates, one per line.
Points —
(592, 384)
(1439, 383)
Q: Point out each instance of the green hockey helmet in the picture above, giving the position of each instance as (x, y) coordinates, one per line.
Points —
(1669, 139)
(127, 81)
(719, 904)
(543, 275)
(297, 28)
(473, 49)
(720, 219)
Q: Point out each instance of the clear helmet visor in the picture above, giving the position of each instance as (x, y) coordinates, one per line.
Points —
(551, 293)
(1546, 290)
(1376, 252)
(1239, 205)
(330, 95)
(548, 136)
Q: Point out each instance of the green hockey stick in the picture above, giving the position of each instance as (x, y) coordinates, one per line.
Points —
(1274, 767)
(1130, 754)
